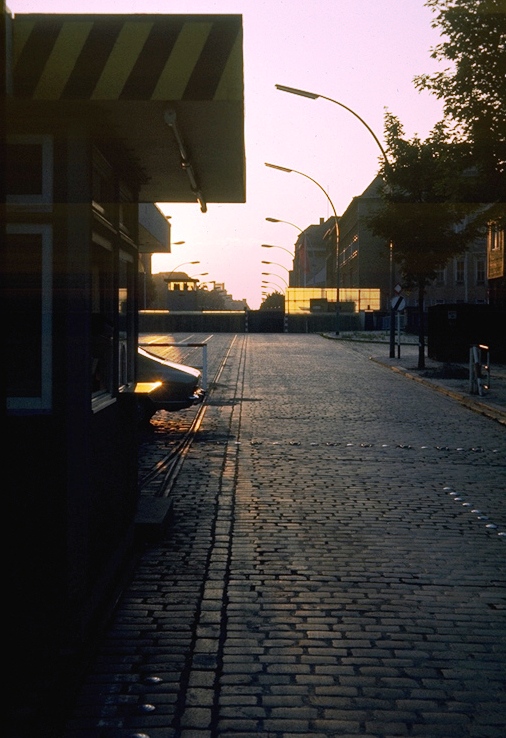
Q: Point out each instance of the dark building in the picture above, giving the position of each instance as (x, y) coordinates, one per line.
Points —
(105, 115)
(364, 259)
(310, 258)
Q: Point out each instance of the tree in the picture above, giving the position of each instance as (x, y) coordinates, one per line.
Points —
(274, 301)
(473, 88)
(420, 213)
(210, 299)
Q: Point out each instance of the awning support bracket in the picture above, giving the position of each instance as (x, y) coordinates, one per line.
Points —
(186, 165)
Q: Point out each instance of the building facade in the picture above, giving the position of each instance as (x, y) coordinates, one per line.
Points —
(105, 115)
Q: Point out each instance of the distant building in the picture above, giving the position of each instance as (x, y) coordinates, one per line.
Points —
(310, 257)
(180, 291)
(496, 265)
(364, 259)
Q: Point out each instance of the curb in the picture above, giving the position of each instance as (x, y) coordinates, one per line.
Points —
(479, 407)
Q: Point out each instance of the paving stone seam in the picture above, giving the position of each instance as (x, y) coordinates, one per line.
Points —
(194, 718)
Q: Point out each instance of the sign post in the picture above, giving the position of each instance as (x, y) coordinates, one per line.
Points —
(398, 303)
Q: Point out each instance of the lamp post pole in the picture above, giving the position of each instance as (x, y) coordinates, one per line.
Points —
(336, 223)
(185, 263)
(301, 231)
(265, 283)
(278, 276)
(315, 96)
(275, 263)
(277, 220)
(167, 278)
(271, 246)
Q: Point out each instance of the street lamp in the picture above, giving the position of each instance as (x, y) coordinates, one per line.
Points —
(336, 221)
(271, 246)
(276, 220)
(275, 263)
(315, 96)
(273, 284)
(278, 276)
(185, 263)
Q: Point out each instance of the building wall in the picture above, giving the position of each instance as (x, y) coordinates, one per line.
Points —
(365, 261)
(464, 279)
(71, 433)
(310, 257)
(364, 258)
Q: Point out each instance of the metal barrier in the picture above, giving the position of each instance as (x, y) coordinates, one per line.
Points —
(479, 369)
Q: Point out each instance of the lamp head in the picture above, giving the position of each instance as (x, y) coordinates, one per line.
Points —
(275, 166)
(295, 91)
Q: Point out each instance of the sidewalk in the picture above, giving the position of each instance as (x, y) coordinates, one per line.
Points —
(449, 379)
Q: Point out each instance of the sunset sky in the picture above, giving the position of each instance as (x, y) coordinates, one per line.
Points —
(363, 53)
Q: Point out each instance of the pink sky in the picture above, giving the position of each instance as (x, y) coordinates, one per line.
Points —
(363, 53)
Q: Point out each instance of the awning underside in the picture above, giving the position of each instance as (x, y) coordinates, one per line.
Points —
(139, 73)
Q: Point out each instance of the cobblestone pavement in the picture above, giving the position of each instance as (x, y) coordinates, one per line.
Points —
(335, 565)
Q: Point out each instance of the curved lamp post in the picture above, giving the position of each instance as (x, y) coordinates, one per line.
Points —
(275, 263)
(276, 220)
(315, 96)
(167, 278)
(265, 283)
(271, 246)
(184, 263)
(336, 221)
(278, 276)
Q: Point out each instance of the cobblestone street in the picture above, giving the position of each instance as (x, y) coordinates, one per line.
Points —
(334, 567)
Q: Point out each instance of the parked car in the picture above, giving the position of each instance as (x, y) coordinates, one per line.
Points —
(180, 386)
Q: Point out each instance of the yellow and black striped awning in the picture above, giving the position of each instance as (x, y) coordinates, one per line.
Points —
(127, 57)
(136, 74)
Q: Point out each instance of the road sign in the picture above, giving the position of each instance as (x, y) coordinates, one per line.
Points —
(398, 303)
(398, 289)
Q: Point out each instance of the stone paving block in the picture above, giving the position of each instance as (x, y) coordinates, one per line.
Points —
(319, 579)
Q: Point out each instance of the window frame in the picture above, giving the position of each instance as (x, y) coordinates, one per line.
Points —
(42, 202)
(42, 403)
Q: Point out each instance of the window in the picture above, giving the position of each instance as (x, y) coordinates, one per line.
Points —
(496, 237)
(28, 331)
(480, 271)
(102, 321)
(127, 212)
(102, 187)
(126, 319)
(440, 275)
(29, 172)
(460, 270)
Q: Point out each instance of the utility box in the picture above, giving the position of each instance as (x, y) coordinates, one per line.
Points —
(453, 328)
